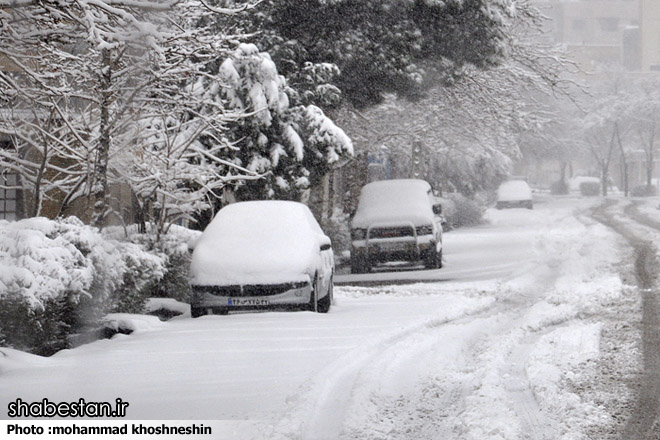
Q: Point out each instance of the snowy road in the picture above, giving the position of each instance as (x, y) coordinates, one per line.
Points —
(531, 334)
(490, 251)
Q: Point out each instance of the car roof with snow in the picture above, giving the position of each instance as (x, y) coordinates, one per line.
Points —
(514, 190)
(258, 242)
(394, 201)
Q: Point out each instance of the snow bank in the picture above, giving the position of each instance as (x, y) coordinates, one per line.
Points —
(549, 365)
(169, 304)
(11, 359)
(130, 322)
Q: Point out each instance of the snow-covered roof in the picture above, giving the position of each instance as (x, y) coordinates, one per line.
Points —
(394, 201)
(259, 242)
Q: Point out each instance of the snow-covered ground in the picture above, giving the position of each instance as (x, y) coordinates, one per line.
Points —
(526, 337)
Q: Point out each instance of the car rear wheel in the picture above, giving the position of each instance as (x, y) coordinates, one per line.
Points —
(325, 302)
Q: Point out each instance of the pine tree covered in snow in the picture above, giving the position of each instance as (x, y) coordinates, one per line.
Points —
(379, 47)
(291, 146)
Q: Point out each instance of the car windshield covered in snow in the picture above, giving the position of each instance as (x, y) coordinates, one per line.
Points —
(259, 254)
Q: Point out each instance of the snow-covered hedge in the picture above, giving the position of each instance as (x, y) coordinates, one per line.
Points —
(58, 276)
(172, 248)
(461, 211)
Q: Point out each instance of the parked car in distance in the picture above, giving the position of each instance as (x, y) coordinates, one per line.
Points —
(514, 194)
(262, 254)
(396, 220)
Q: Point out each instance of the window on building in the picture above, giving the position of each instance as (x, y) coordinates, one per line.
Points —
(8, 196)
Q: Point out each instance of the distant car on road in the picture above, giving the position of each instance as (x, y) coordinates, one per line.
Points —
(262, 254)
(514, 194)
(396, 220)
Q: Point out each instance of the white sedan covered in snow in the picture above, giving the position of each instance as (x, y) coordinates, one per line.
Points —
(262, 254)
(514, 194)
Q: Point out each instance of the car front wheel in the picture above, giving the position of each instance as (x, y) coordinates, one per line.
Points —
(313, 304)
(433, 259)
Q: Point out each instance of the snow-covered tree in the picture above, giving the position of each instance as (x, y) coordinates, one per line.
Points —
(644, 116)
(290, 145)
(102, 71)
(381, 47)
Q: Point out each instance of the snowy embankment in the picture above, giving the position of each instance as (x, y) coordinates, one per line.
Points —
(487, 358)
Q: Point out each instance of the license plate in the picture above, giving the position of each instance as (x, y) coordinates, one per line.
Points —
(389, 247)
(247, 302)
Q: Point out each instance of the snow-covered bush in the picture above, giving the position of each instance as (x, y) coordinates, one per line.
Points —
(644, 191)
(590, 188)
(172, 249)
(59, 276)
(461, 211)
(559, 187)
(338, 229)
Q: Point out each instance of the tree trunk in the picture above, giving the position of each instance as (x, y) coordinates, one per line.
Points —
(649, 167)
(624, 162)
(325, 198)
(100, 184)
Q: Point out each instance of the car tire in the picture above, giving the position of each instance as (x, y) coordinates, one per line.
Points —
(530, 205)
(325, 302)
(196, 312)
(433, 260)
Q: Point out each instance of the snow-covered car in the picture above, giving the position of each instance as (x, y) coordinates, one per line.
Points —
(514, 194)
(396, 220)
(262, 254)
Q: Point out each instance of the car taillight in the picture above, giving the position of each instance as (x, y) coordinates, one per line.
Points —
(358, 234)
(424, 230)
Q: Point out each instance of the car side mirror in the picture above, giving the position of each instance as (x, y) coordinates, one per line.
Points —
(326, 244)
(437, 209)
(192, 243)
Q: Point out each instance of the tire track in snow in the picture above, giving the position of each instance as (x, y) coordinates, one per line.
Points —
(535, 425)
(324, 403)
(644, 423)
